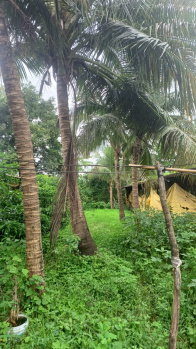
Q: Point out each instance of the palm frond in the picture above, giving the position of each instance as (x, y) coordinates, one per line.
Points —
(99, 130)
(180, 142)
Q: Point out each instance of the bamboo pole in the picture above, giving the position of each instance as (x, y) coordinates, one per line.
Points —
(171, 169)
(175, 260)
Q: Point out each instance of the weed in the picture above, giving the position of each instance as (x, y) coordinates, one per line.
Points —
(121, 298)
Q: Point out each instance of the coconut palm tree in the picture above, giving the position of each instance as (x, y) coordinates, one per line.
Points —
(104, 170)
(105, 128)
(129, 114)
(34, 254)
(161, 54)
(57, 26)
(142, 119)
(142, 49)
(157, 42)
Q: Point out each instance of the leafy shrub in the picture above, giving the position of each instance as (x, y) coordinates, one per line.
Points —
(142, 240)
(100, 204)
(47, 187)
(11, 212)
(146, 232)
(93, 191)
(13, 265)
(146, 244)
(11, 205)
(120, 298)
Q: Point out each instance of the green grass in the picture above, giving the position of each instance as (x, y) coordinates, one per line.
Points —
(119, 299)
(104, 225)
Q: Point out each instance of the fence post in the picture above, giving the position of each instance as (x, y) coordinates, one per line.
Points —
(175, 260)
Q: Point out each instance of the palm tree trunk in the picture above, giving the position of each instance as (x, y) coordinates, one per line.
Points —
(111, 195)
(78, 220)
(136, 153)
(118, 184)
(24, 148)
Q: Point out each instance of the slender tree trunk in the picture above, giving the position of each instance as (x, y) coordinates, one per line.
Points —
(175, 260)
(136, 153)
(111, 195)
(34, 255)
(118, 183)
(78, 220)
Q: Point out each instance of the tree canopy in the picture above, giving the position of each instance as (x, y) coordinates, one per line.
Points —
(44, 129)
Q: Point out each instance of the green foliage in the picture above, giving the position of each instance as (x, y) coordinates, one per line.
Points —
(146, 232)
(100, 204)
(80, 309)
(11, 213)
(120, 298)
(94, 192)
(12, 265)
(11, 205)
(144, 242)
(11, 201)
(44, 129)
(47, 188)
(6, 134)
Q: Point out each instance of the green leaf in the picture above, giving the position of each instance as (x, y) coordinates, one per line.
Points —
(45, 299)
(25, 272)
(17, 259)
(193, 283)
(12, 269)
(29, 292)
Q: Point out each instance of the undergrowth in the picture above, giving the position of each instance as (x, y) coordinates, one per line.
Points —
(119, 299)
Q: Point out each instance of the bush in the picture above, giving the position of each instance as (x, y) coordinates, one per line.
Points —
(100, 204)
(119, 298)
(11, 212)
(146, 232)
(47, 187)
(11, 205)
(94, 192)
(145, 243)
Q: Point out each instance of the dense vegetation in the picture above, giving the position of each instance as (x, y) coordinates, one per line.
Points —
(120, 298)
(11, 205)
(131, 68)
(94, 194)
(44, 131)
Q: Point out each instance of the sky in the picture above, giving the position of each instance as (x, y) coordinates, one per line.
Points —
(48, 91)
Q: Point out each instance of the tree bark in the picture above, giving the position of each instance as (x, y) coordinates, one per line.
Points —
(136, 153)
(118, 183)
(78, 221)
(111, 195)
(24, 148)
(175, 260)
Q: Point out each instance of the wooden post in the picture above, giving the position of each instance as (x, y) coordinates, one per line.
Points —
(175, 260)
